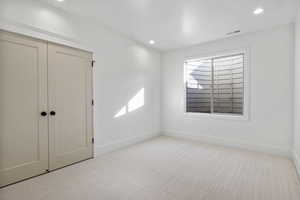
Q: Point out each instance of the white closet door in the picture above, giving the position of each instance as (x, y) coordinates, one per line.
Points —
(23, 96)
(70, 97)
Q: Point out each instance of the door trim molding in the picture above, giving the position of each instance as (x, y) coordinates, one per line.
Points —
(297, 163)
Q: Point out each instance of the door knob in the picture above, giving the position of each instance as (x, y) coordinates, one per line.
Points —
(52, 112)
(43, 113)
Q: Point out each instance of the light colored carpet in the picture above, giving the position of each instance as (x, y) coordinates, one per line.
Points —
(167, 169)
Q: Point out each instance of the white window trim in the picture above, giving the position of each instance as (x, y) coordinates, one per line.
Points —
(246, 105)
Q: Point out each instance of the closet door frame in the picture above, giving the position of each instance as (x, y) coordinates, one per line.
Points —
(18, 174)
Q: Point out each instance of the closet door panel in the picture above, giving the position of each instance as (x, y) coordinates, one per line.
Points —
(23, 90)
(70, 97)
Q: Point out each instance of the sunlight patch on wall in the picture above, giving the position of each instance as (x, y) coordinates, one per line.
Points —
(123, 111)
(137, 101)
(134, 103)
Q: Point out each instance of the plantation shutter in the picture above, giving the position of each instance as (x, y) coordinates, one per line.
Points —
(198, 86)
(215, 85)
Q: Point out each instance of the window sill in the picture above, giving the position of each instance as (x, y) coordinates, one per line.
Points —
(216, 116)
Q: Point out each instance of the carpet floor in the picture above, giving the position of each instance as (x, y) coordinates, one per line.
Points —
(166, 168)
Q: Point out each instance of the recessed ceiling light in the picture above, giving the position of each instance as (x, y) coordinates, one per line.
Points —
(60, 0)
(151, 42)
(258, 11)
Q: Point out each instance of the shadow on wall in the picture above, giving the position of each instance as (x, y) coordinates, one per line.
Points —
(136, 102)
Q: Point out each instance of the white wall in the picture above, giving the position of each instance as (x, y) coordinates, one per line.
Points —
(123, 67)
(269, 128)
(297, 94)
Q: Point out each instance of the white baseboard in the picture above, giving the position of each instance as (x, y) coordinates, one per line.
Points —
(102, 149)
(230, 143)
(297, 162)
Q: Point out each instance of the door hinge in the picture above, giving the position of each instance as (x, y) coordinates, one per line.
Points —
(93, 140)
(92, 102)
(93, 63)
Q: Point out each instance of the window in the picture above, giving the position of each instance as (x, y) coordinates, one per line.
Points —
(215, 85)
